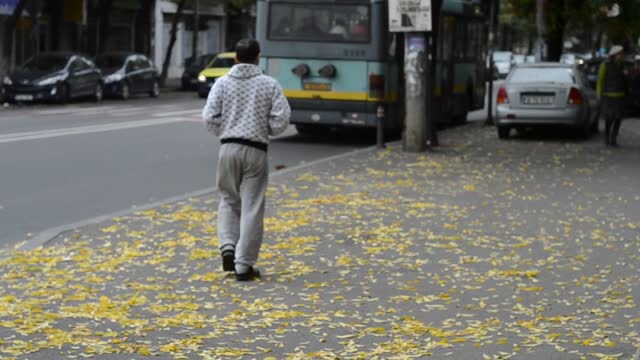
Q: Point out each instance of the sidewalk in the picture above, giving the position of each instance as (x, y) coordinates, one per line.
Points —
(484, 249)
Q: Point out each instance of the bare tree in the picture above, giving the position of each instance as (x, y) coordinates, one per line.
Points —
(104, 23)
(172, 40)
(10, 27)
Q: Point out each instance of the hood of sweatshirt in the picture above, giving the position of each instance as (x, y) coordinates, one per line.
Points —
(243, 71)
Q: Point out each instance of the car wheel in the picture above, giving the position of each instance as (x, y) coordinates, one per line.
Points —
(155, 89)
(125, 91)
(64, 93)
(503, 132)
(98, 93)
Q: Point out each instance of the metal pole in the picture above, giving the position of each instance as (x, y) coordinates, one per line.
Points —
(380, 127)
(13, 50)
(415, 136)
(492, 14)
(431, 123)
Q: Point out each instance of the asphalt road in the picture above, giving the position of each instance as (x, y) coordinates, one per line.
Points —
(65, 164)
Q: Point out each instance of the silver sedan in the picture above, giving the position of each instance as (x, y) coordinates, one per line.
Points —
(546, 94)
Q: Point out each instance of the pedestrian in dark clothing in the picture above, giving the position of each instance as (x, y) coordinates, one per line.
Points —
(612, 88)
(244, 108)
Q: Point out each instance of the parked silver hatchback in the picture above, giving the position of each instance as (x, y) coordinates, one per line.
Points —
(543, 94)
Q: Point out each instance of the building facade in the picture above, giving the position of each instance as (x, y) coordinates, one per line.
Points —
(93, 27)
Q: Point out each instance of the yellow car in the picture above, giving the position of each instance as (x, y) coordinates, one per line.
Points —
(219, 66)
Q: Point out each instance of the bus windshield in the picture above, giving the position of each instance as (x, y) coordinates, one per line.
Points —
(319, 22)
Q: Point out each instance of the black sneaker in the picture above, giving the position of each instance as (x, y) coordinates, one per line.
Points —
(228, 260)
(251, 274)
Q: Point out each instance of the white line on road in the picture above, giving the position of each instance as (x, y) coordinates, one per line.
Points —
(72, 110)
(45, 134)
(190, 112)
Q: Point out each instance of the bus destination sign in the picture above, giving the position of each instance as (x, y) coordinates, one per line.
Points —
(409, 15)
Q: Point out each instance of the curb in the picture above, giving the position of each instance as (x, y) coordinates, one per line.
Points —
(42, 238)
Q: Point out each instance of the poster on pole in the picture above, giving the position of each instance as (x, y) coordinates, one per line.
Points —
(7, 6)
(409, 15)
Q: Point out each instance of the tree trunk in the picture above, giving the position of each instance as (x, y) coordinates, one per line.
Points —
(143, 28)
(556, 23)
(172, 40)
(10, 27)
(196, 29)
(555, 45)
(104, 23)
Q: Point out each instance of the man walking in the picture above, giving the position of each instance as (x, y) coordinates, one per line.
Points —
(612, 89)
(244, 107)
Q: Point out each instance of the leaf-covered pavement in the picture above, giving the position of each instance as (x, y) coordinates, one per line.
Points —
(525, 249)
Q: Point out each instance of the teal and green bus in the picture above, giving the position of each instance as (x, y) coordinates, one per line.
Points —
(340, 66)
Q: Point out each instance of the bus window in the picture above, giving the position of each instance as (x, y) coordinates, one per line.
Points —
(319, 22)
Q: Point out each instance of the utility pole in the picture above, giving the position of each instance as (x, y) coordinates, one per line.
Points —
(413, 18)
(415, 136)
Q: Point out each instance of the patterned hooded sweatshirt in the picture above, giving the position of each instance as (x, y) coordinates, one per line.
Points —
(246, 107)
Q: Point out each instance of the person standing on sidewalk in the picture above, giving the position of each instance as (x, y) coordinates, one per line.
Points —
(244, 107)
(612, 89)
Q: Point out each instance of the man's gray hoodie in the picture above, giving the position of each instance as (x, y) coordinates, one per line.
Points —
(247, 105)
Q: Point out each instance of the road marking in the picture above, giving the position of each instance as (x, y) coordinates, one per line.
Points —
(114, 111)
(70, 110)
(190, 112)
(46, 134)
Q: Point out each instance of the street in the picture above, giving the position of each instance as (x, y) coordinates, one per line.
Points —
(65, 164)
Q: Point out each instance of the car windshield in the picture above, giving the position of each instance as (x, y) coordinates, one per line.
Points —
(203, 60)
(222, 63)
(46, 63)
(319, 22)
(501, 56)
(542, 75)
(110, 61)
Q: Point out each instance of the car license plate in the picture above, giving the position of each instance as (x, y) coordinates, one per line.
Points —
(537, 100)
(317, 86)
(24, 97)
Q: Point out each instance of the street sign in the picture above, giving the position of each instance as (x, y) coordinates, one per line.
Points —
(409, 15)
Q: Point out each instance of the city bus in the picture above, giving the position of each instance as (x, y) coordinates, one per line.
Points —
(340, 66)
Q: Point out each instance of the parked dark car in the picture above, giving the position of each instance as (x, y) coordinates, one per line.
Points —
(54, 77)
(127, 74)
(632, 67)
(192, 68)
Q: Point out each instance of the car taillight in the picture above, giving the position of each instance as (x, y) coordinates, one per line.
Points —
(503, 98)
(376, 86)
(575, 97)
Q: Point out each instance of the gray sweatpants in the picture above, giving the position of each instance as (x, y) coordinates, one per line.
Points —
(242, 183)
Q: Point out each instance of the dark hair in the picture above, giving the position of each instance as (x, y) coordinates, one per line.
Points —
(247, 50)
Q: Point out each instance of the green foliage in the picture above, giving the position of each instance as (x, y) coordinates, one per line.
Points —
(564, 16)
